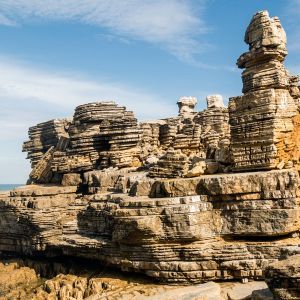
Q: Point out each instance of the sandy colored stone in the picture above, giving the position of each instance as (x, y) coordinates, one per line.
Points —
(206, 291)
(197, 169)
(244, 291)
(283, 278)
(186, 106)
(158, 197)
(71, 179)
(264, 120)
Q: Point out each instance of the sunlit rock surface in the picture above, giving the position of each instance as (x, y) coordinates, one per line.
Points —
(168, 198)
(265, 120)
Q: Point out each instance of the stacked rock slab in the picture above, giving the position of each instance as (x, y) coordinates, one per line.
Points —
(179, 230)
(193, 137)
(43, 136)
(171, 165)
(101, 134)
(182, 132)
(42, 173)
(176, 230)
(149, 142)
(264, 120)
(214, 123)
(283, 277)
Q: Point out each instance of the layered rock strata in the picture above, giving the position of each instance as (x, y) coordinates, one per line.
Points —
(194, 140)
(283, 278)
(214, 122)
(264, 120)
(175, 230)
(44, 136)
(158, 197)
(101, 134)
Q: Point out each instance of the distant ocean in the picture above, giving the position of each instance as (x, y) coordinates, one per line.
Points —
(8, 187)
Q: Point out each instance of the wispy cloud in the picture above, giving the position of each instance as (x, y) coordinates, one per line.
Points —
(29, 94)
(6, 21)
(292, 12)
(174, 25)
(113, 37)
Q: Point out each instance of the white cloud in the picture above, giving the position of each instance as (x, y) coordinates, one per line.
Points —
(22, 82)
(29, 95)
(172, 24)
(292, 12)
(6, 21)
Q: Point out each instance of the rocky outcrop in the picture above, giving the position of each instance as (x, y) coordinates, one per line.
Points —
(38, 279)
(25, 279)
(283, 278)
(215, 129)
(101, 134)
(263, 120)
(159, 197)
(171, 165)
(186, 106)
(15, 279)
(180, 230)
(43, 136)
(193, 142)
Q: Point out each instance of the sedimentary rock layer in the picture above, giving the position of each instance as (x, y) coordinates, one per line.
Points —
(44, 136)
(263, 126)
(181, 230)
(160, 197)
(283, 277)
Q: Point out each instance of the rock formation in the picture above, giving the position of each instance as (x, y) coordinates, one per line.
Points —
(100, 135)
(186, 106)
(160, 197)
(176, 230)
(283, 278)
(44, 136)
(194, 141)
(265, 120)
(38, 279)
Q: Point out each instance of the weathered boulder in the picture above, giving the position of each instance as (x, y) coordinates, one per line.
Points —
(283, 278)
(186, 106)
(214, 101)
(71, 179)
(205, 291)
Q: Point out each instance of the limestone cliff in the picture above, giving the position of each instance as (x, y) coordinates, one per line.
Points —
(167, 198)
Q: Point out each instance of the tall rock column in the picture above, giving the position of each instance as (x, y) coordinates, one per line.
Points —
(265, 120)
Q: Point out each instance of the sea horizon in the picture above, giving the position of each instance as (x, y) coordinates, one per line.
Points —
(9, 186)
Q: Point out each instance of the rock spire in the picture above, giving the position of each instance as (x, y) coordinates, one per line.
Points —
(265, 120)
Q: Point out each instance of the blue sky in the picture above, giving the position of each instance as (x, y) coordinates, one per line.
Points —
(145, 54)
